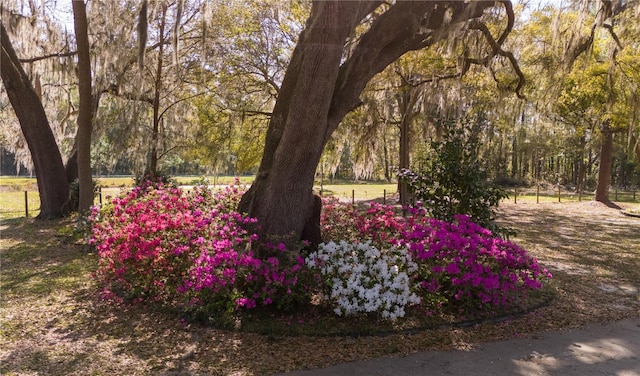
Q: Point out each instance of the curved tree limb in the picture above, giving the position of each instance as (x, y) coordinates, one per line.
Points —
(406, 26)
(496, 49)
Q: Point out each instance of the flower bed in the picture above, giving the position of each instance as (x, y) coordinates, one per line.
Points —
(194, 251)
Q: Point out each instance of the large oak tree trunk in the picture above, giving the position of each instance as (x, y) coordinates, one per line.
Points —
(281, 195)
(322, 84)
(47, 161)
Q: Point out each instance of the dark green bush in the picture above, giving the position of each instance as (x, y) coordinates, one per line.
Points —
(160, 179)
(452, 180)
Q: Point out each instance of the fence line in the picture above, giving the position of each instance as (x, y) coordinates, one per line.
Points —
(13, 206)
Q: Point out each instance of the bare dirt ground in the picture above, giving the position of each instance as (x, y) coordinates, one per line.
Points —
(52, 324)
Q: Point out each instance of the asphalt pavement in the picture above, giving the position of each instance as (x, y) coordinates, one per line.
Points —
(609, 349)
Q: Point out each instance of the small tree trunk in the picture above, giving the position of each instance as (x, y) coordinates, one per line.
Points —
(85, 116)
(153, 153)
(635, 145)
(404, 159)
(407, 100)
(606, 160)
(47, 161)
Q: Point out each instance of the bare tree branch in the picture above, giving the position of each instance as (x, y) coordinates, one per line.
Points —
(49, 56)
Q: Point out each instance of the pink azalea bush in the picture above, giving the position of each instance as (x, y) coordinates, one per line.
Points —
(158, 243)
(192, 250)
(462, 267)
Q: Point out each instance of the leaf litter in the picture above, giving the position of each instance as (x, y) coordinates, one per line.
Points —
(52, 323)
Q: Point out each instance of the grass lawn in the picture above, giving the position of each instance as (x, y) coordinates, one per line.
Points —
(53, 323)
(12, 202)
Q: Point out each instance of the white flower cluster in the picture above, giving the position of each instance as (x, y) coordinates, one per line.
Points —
(362, 278)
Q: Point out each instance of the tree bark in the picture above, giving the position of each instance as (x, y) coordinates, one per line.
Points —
(47, 161)
(407, 100)
(281, 195)
(85, 115)
(606, 161)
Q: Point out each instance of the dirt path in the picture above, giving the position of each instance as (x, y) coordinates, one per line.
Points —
(592, 250)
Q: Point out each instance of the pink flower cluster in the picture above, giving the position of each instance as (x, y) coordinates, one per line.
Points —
(461, 266)
(193, 250)
(157, 243)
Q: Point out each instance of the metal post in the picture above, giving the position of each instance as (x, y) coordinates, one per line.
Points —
(353, 197)
(384, 196)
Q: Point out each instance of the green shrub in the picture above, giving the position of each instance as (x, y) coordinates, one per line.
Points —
(452, 180)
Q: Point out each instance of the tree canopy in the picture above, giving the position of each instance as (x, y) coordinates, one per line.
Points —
(221, 87)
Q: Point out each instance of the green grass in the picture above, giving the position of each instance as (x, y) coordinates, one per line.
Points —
(18, 183)
(40, 258)
(12, 204)
(128, 181)
(366, 191)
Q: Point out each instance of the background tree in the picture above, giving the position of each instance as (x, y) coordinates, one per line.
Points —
(47, 161)
(85, 113)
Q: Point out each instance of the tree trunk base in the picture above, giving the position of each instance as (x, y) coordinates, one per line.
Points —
(312, 232)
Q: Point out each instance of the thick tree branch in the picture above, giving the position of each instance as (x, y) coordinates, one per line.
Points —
(613, 35)
(115, 90)
(406, 26)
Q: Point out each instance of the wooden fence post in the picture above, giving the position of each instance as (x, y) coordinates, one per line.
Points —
(26, 204)
(558, 192)
(579, 194)
(538, 193)
(515, 195)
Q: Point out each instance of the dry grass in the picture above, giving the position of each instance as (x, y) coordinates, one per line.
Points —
(53, 324)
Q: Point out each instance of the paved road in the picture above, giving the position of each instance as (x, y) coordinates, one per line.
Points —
(612, 349)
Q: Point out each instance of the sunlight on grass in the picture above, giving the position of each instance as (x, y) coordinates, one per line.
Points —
(357, 191)
(12, 204)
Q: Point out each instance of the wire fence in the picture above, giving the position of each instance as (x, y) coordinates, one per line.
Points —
(16, 204)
